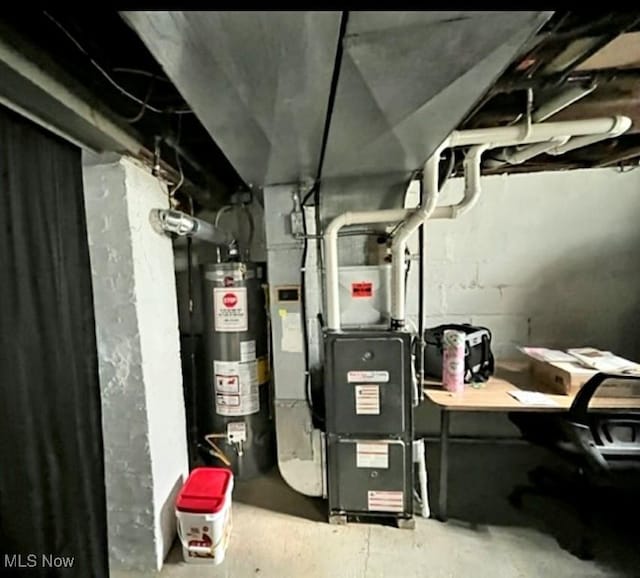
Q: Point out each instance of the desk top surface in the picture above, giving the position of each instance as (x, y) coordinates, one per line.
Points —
(510, 376)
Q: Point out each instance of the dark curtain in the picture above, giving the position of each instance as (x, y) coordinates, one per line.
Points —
(52, 495)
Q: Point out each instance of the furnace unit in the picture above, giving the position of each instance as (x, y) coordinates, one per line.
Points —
(369, 397)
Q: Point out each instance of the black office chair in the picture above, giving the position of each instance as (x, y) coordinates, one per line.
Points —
(600, 444)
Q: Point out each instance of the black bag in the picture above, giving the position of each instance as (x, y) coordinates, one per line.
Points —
(478, 358)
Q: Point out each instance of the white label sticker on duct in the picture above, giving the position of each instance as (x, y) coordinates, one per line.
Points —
(236, 432)
(383, 501)
(230, 308)
(291, 340)
(367, 399)
(248, 350)
(372, 455)
(368, 376)
(236, 387)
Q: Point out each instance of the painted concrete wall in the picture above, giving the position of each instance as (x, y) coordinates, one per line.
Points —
(550, 259)
(139, 361)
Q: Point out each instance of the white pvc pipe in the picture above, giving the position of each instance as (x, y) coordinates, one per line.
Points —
(420, 458)
(399, 243)
(587, 131)
(622, 125)
(512, 135)
(555, 145)
(331, 253)
(524, 154)
(472, 189)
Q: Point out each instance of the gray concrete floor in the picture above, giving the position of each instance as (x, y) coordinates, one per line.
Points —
(278, 533)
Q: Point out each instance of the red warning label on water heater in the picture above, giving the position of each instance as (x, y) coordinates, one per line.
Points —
(362, 289)
(230, 308)
(229, 300)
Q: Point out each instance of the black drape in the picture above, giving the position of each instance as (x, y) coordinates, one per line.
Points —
(52, 495)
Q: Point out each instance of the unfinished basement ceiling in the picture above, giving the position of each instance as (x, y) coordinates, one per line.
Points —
(379, 50)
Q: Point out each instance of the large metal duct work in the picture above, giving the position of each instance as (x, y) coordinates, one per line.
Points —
(340, 110)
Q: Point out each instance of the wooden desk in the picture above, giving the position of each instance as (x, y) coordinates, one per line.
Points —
(494, 396)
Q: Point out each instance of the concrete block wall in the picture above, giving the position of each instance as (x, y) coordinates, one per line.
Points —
(546, 258)
(139, 360)
(549, 259)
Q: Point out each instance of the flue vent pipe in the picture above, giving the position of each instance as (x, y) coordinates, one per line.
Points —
(399, 244)
(183, 225)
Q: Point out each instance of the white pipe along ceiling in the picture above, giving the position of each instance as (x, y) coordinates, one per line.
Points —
(353, 101)
(573, 134)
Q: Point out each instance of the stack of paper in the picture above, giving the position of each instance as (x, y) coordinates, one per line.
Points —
(604, 361)
(532, 398)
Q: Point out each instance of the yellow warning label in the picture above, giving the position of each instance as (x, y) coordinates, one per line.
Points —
(263, 370)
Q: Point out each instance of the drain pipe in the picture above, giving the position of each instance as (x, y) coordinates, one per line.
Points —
(184, 225)
(399, 244)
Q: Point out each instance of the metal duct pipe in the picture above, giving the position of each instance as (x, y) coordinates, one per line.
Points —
(183, 225)
(331, 253)
(399, 244)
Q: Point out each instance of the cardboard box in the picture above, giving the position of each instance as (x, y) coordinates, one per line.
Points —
(565, 375)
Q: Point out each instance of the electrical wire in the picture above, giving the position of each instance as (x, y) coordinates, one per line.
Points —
(108, 77)
(178, 161)
(143, 108)
(141, 73)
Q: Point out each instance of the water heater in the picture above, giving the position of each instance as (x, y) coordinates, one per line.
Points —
(237, 415)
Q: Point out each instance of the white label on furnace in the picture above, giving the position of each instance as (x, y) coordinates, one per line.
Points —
(248, 350)
(368, 376)
(384, 501)
(291, 340)
(367, 399)
(230, 308)
(236, 387)
(372, 455)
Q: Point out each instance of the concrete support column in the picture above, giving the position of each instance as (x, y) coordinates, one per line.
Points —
(136, 316)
